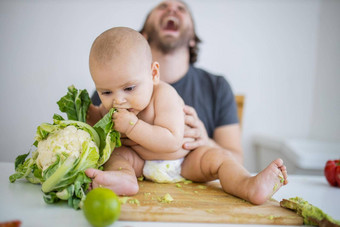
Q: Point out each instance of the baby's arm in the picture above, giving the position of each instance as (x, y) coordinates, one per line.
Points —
(95, 113)
(165, 135)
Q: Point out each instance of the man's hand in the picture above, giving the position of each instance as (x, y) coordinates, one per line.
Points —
(124, 120)
(194, 129)
(226, 137)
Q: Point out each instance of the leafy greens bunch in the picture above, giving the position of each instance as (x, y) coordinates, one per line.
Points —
(66, 148)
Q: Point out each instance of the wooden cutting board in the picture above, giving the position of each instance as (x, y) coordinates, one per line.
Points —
(194, 202)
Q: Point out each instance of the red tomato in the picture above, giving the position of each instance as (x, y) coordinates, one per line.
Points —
(15, 223)
(337, 174)
(332, 172)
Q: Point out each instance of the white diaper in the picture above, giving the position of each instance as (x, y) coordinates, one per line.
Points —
(163, 171)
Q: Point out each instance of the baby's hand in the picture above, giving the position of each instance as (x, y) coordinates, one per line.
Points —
(124, 120)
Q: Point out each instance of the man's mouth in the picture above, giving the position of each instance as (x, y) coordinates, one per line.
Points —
(170, 24)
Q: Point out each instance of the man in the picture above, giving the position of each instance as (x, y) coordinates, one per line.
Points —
(211, 112)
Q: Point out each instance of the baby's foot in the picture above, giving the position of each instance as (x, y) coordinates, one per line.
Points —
(267, 182)
(120, 182)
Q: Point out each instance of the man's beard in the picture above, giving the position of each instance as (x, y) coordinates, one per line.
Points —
(168, 44)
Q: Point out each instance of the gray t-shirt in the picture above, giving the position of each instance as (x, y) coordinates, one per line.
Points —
(210, 95)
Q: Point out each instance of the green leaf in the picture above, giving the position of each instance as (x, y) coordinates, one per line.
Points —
(75, 104)
(51, 197)
(43, 131)
(74, 202)
(22, 170)
(20, 160)
(109, 138)
(26, 168)
(89, 157)
(52, 168)
(110, 144)
(58, 117)
(35, 176)
(66, 193)
(58, 175)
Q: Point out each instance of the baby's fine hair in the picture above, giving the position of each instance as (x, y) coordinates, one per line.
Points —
(118, 40)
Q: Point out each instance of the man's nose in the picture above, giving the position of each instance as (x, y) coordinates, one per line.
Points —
(172, 8)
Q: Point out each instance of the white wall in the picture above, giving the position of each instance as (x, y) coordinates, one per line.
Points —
(275, 52)
(325, 123)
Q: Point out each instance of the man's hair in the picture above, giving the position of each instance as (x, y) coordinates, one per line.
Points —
(193, 51)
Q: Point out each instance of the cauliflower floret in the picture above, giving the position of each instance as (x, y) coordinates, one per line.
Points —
(68, 140)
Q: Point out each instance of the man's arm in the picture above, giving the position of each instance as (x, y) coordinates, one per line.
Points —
(229, 138)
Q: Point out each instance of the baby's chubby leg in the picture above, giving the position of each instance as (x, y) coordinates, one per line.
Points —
(206, 164)
(120, 172)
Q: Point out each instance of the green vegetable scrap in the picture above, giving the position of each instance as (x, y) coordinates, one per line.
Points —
(123, 199)
(134, 201)
(312, 215)
(66, 148)
(130, 200)
(166, 198)
(275, 187)
(202, 187)
(272, 217)
(281, 179)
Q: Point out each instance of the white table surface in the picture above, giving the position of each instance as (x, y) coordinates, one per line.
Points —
(24, 201)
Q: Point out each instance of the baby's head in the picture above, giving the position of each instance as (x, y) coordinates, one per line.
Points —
(122, 69)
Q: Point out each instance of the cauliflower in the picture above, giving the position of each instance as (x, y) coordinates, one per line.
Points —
(64, 142)
(66, 148)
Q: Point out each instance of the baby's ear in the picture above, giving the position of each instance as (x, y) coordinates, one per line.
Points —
(155, 72)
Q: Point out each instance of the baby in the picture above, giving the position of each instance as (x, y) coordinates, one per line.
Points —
(150, 119)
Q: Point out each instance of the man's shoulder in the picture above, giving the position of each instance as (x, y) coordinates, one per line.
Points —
(203, 76)
(202, 73)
